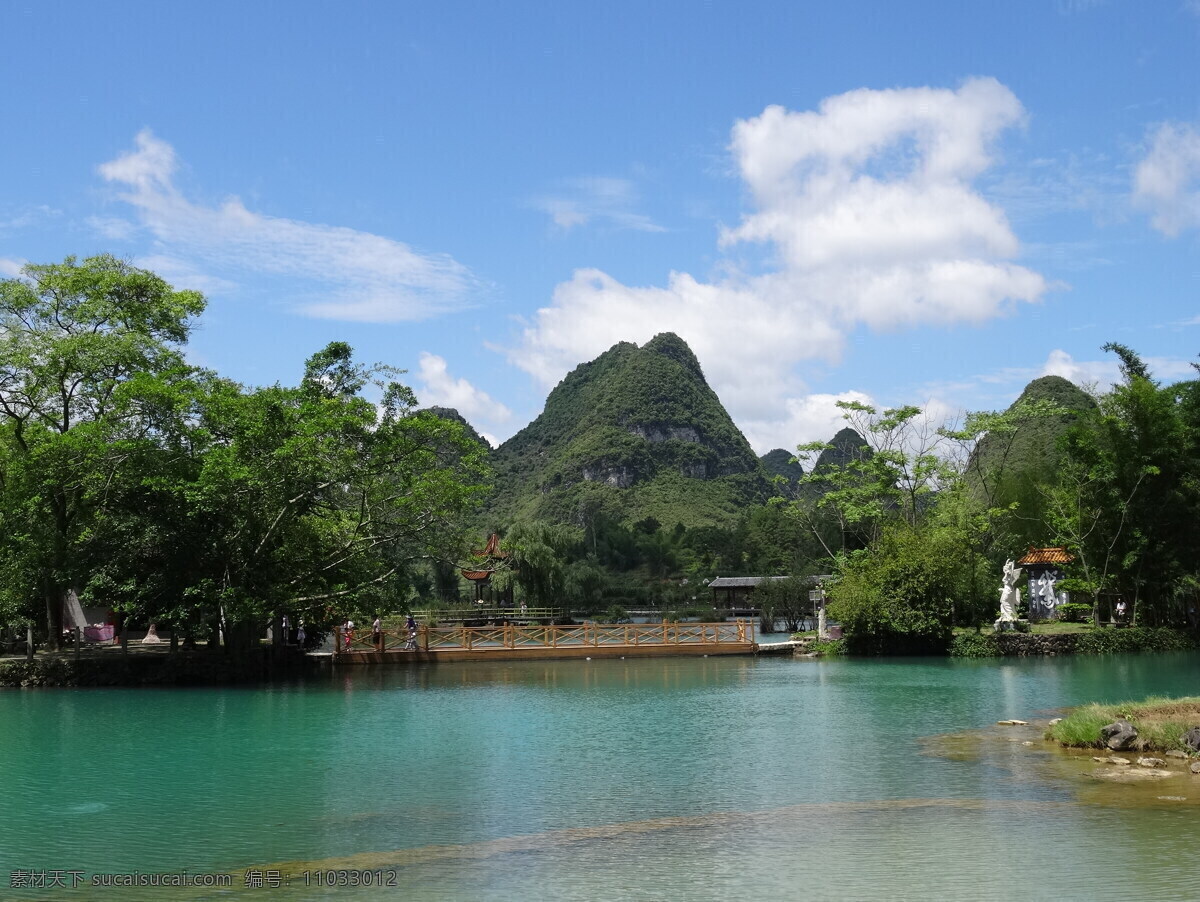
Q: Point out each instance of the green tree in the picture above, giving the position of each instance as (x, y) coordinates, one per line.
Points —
(72, 337)
(784, 599)
(325, 500)
(539, 555)
(896, 597)
(893, 477)
(1125, 499)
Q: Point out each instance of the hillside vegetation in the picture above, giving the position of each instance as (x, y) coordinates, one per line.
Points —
(635, 433)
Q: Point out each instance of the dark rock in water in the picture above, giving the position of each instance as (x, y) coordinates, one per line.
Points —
(1118, 735)
(1192, 739)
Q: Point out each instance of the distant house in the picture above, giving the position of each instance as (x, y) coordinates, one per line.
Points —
(735, 592)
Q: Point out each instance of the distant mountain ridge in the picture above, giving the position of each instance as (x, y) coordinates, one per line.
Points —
(638, 433)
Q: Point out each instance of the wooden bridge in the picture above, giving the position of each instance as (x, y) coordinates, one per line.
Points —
(515, 641)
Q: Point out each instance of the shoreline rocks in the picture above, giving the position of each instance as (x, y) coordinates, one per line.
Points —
(1119, 735)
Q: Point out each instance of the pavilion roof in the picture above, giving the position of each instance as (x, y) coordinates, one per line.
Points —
(477, 574)
(1053, 555)
(492, 549)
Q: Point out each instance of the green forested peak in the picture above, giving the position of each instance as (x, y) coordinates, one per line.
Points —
(845, 446)
(449, 413)
(779, 462)
(637, 431)
(671, 345)
(1061, 391)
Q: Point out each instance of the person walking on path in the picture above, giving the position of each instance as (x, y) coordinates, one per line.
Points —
(411, 625)
(377, 633)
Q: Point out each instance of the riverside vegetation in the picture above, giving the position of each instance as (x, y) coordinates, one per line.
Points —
(166, 493)
(1162, 724)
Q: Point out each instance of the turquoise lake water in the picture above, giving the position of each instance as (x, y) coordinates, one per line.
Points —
(648, 779)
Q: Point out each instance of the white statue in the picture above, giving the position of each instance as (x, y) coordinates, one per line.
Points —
(1010, 595)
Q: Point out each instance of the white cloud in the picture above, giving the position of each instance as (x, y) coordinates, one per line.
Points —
(810, 418)
(9, 268)
(358, 275)
(869, 207)
(183, 274)
(28, 216)
(1106, 372)
(443, 390)
(1167, 181)
(597, 198)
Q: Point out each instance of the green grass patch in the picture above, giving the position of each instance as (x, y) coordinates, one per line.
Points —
(1059, 628)
(1046, 628)
(1161, 723)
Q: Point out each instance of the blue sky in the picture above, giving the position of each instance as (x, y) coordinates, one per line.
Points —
(926, 203)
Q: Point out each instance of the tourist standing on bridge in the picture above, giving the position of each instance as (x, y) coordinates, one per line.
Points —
(411, 624)
(347, 633)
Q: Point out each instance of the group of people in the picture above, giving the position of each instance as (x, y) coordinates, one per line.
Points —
(377, 633)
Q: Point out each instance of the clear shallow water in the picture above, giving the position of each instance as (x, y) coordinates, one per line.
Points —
(686, 778)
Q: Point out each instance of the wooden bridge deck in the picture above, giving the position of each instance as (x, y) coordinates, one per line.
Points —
(514, 641)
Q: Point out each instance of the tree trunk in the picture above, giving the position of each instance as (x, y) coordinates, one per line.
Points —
(56, 597)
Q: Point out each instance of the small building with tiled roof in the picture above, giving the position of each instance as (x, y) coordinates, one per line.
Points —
(1044, 569)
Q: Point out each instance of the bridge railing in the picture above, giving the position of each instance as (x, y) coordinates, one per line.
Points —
(434, 615)
(518, 635)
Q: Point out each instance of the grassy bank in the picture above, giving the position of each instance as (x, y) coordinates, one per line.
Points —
(1160, 722)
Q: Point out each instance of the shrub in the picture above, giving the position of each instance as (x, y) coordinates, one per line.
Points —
(1075, 612)
(974, 645)
(895, 597)
(1140, 638)
(830, 647)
